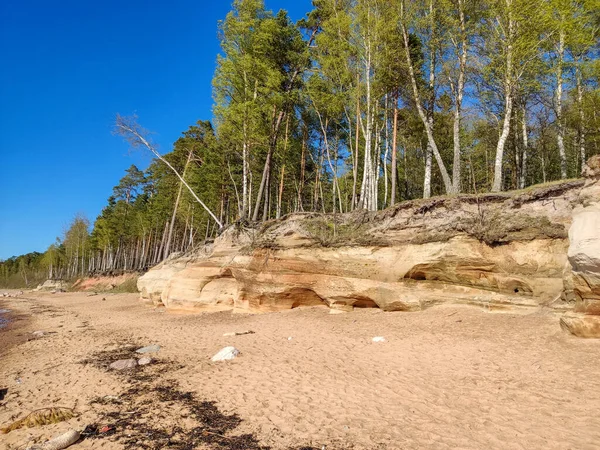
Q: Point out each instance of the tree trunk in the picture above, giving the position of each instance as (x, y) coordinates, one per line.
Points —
(508, 103)
(367, 193)
(523, 173)
(176, 207)
(355, 159)
(285, 146)
(387, 151)
(394, 152)
(497, 186)
(581, 130)
(427, 178)
(280, 194)
(244, 176)
(267, 203)
(302, 168)
(161, 251)
(267, 167)
(456, 175)
(560, 136)
(427, 121)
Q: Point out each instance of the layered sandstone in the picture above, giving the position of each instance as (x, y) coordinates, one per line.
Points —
(584, 257)
(509, 250)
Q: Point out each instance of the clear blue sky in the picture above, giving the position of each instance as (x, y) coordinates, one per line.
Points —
(66, 69)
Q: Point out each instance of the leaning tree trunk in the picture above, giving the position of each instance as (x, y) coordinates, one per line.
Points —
(267, 167)
(425, 117)
(497, 187)
(176, 207)
(508, 104)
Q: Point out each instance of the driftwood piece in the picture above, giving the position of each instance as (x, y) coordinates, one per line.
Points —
(60, 442)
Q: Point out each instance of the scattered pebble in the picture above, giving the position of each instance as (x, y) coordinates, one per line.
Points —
(144, 361)
(39, 333)
(105, 429)
(149, 349)
(123, 364)
(226, 354)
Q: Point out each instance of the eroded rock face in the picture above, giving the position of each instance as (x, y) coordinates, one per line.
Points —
(584, 256)
(496, 251)
(407, 277)
(154, 282)
(580, 325)
(52, 285)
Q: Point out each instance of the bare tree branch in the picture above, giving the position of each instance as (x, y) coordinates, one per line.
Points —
(132, 132)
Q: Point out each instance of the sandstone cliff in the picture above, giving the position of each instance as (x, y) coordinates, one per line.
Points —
(526, 249)
(584, 257)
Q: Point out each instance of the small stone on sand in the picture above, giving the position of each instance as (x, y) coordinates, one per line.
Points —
(123, 364)
(226, 354)
(149, 349)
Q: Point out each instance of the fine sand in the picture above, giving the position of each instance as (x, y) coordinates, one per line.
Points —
(445, 378)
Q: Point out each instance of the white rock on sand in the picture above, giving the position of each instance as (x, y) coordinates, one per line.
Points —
(144, 361)
(226, 354)
(148, 349)
(379, 339)
(123, 364)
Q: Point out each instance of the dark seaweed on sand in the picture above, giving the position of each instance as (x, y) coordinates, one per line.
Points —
(135, 418)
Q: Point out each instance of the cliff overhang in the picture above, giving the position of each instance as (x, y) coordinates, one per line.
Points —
(519, 250)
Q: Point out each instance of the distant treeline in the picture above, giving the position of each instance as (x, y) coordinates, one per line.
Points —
(358, 106)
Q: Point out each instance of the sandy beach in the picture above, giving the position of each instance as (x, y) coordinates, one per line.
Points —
(448, 377)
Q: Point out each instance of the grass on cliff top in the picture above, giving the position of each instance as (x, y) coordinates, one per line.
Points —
(490, 226)
(330, 233)
(129, 286)
(530, 192)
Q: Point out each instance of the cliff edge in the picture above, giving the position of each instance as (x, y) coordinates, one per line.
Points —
(519, 250)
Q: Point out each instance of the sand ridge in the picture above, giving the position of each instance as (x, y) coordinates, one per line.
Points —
(448, 377)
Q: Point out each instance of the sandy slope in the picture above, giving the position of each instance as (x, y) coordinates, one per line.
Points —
(449, 377)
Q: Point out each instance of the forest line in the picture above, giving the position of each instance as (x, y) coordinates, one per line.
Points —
(360, 105)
